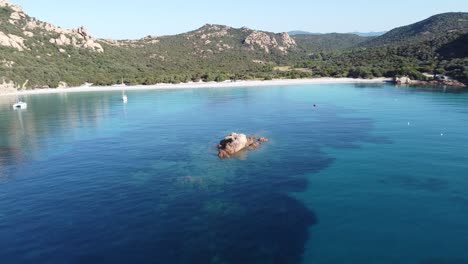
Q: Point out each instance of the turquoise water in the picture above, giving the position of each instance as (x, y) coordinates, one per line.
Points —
(373, 174)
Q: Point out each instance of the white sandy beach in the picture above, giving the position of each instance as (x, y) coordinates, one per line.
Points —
(192, 85)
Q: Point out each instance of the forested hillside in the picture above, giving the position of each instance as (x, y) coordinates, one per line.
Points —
(36, 54)
(435, 45)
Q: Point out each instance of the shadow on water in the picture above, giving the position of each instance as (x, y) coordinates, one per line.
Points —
(243, 213)
(172, 202)
(444, 261)
(24, 130)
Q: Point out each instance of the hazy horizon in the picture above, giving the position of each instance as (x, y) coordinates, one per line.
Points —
(122, 20)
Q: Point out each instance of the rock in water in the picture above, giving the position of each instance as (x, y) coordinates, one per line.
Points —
(232, 144)
(237, 142)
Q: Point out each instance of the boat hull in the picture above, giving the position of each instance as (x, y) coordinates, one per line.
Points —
(20, 105)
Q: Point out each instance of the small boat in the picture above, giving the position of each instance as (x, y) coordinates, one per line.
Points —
(124, 97)
(20, 105)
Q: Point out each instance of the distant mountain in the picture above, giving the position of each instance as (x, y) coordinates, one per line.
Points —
(431, 28)
(361, 34)
(369, 34)
(300, 32)
(328, 42)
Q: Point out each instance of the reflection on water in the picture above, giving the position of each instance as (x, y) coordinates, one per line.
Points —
(10, 155)
(29, 129)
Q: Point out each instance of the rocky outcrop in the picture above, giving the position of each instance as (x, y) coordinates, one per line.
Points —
(209, 31)
(439, 83)
(151, 40)
(16, 14)
(402, 80)
(78, 38)
(282, 42)
(235, 143)
(28, 34)
(287, 41)
(261, 39)
(61, 41)
(7, 63)
(210, 39)
(13, 41)
(15, 8)
(139, 43)
(445, 82)
(62, 85)
(34, 24)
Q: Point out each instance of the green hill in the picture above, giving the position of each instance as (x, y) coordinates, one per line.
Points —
(328, 42)
(435, 45)
(38, 54)
(457, 48)
(428, 29)
(46, 55)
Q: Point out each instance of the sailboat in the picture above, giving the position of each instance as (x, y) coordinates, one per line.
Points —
(19, 104)
(124, 96)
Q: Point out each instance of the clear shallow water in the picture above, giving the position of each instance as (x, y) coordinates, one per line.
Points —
(374, 174)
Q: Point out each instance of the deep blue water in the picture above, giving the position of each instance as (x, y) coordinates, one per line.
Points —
(373, 174)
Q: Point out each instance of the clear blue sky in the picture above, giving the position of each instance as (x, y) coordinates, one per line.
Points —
(120, 19)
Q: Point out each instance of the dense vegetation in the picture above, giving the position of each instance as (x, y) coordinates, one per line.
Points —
(437, 45)
(425, 30)
(328, 42)
(445, 54)
(219, 53)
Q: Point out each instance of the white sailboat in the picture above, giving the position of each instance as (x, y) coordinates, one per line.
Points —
(124, 96)
(19, 104)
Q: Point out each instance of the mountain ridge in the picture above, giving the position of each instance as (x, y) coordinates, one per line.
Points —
(361, 34)
(39, 54)
(450, 22)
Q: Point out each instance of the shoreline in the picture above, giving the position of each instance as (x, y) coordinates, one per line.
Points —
(199, 85)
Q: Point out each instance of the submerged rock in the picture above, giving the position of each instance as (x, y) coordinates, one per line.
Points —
(236, 142)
